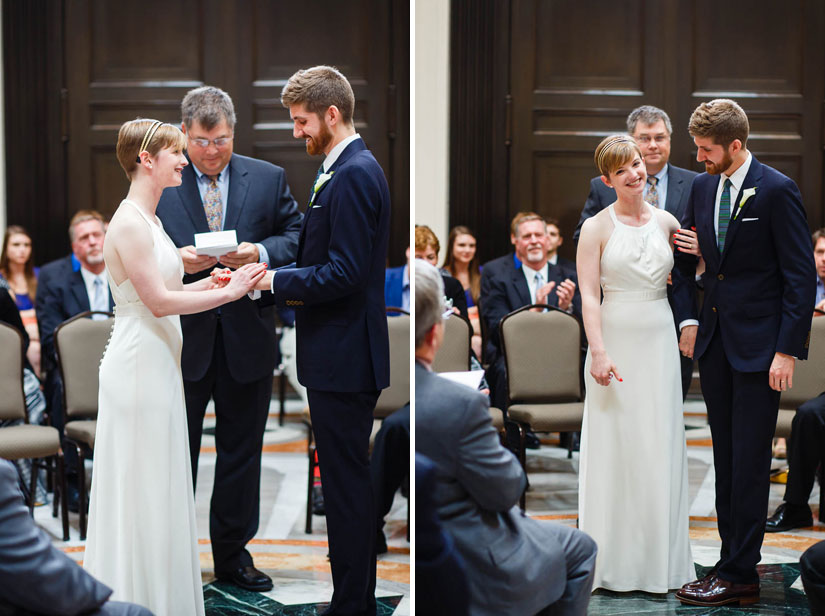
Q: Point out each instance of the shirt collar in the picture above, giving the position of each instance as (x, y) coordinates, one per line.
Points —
(662, 173)
(335, 152)
(222, 175)
(737, 178)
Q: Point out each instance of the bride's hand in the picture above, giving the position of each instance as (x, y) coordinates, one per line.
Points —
(244, 279)
(220, 277)
(602, 369)
(687, 241)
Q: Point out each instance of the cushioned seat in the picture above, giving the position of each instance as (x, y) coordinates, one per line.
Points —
(565, 417)
(27, 441)
(82, 431)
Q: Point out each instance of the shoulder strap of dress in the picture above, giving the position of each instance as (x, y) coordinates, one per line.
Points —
(613, 215)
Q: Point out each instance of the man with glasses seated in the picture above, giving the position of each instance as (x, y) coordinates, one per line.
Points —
(668, 186)
(229, 353)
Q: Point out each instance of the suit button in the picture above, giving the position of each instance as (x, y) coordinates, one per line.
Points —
(721, 276)
(714, 308)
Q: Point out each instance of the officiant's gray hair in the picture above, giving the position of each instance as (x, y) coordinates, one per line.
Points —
(429, 299)
(209, 106)
(318, 88)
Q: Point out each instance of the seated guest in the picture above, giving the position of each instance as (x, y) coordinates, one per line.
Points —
(461, 263)
(35, 577)
(67, 287)
(17, 268)
(515, 564)
(397, 285)
(427, 247)
(513, 281)
(389, 466)
(807, 447)
(554, 240)
(812, 571)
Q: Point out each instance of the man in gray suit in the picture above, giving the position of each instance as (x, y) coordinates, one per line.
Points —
(515, 564)
(668, 187)
(36, 578)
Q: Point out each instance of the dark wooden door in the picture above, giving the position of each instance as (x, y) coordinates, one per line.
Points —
(122, 60)
(567, 73)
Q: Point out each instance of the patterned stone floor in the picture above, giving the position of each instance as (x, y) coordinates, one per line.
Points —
(296, 561)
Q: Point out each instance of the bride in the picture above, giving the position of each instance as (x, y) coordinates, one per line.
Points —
(633, 482)
(142, 538)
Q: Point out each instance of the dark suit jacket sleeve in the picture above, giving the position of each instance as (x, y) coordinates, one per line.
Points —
(353, 234)
(684, 270)
(490, 474)
(494, 304)
(592, 206)
(33, 574)
(282, 244)
(48, 305)
(793, 249)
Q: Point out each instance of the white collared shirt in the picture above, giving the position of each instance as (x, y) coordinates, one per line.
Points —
(530, 276)
(89, 282)
(335, 152)
(737, 178)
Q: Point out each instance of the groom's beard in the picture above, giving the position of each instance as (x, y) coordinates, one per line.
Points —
(317, 145)
(724, 165)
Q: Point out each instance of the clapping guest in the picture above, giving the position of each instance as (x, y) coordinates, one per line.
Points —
(462, 264)
(17, 267)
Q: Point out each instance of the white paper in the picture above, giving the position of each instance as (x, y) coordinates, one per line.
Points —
(470, 378)
(216, 243)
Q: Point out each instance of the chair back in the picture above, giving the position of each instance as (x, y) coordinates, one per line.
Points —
(454, 353)
(12, 398)
(398, 393)
(808, 375)
(80, 343)
(542, 354)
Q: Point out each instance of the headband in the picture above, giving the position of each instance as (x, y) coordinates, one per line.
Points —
(147, 137)
(610, 144)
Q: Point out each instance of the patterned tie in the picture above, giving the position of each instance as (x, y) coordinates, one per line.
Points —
(724, 215)
(312, 191)
(212, 205)
(652, 194)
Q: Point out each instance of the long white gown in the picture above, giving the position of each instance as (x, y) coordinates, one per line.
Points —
(142, 539)
(633, 481)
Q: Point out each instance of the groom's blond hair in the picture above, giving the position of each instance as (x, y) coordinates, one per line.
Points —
(319, 88)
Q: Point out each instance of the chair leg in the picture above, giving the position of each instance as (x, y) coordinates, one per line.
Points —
(54, 482)
(81, 480)
(310, 482)
(33, 485)
(64, 501)
(282, 396)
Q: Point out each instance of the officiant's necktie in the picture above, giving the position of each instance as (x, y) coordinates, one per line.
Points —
(724, 215)
(652, 193)
(212, 204)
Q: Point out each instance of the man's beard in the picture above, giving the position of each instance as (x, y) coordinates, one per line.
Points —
(95, 259)
(317, 145)
(724, 165)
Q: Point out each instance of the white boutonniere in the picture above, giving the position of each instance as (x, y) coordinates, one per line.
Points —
(322, 179)
(746, 194)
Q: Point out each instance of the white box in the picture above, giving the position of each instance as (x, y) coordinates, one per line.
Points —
(216, 243)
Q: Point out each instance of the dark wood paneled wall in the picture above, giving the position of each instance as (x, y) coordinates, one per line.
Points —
(77, 70)
(536, 84)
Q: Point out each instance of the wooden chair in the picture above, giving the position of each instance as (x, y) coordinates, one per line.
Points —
(25, 441)
(80, 343)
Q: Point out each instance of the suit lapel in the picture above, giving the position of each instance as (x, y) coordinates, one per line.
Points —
(78, 289)
(675, 188)
(706, 226)
(238, 187)
(520, 285)
(753, 177)
(191, 198)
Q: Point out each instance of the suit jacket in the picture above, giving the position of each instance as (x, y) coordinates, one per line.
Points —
(504, 289)
(678, 189)
(260, 208)
(760, 291)
(514, 566)
(61, 294)
(35, 577)
(337, 284)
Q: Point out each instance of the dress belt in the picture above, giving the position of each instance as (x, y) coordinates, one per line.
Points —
(634, 296)
(132, 310)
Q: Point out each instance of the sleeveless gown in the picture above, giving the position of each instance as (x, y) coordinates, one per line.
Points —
(142, 539)
(633, 482)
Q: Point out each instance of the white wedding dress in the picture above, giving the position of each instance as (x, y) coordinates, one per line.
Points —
(633, 481)
(142, 539)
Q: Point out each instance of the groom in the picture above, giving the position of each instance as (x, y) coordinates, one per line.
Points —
(755, 323)
(337, 289)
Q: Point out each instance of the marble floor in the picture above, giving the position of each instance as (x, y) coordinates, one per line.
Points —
(553, 495)
(296, 561)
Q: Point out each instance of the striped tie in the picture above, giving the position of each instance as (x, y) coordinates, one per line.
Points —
(652, 194)
(724, 215)
(212, 205)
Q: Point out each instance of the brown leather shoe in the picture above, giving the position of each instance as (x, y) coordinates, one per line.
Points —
(702, 581)
(719, 592)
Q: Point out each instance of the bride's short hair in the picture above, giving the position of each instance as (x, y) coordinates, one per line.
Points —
(614, 151)
(131, 137)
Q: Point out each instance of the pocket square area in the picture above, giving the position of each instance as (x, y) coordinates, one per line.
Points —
(749, 219)
(317, 206)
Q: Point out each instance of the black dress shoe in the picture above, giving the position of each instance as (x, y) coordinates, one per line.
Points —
(248, 578)
(788, 516)
(318, 501)
(719, 592)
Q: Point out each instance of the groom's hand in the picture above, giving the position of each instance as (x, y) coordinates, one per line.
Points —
(781, 373)
(687, 340)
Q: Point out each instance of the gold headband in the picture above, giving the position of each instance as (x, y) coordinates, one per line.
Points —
(610, 144)
(147, 137)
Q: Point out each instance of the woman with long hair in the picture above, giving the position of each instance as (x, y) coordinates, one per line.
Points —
(17, 268)
(461, 262)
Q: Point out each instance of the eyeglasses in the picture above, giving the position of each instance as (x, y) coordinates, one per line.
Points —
(219, 142)
(658, 139)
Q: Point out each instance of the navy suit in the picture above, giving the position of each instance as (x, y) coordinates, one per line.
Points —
(229, 353)
(504, 289)
(61, 294)
(678, 191)
(337, 288)
(759, 294)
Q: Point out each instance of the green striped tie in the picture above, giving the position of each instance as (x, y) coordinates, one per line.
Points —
(724, 215)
